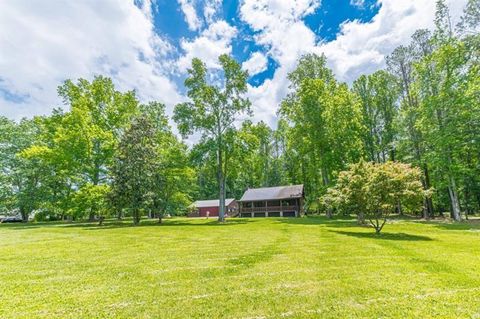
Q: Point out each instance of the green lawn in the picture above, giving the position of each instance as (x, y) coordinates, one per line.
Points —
(247, 268)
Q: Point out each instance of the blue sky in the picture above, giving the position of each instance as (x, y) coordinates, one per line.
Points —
(325, 21)
(147, 45)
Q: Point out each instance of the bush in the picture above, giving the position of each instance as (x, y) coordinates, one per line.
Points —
(374, 191)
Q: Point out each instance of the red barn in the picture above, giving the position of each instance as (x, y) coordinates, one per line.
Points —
(211, 208)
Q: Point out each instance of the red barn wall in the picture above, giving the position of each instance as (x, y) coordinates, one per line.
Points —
(203, 211)
(214, 210)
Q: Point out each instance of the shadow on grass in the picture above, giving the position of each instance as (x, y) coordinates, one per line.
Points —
(385, 236)
(154, 223)
(473, 224)
(337, 222)
(20, 226)
(112, 224)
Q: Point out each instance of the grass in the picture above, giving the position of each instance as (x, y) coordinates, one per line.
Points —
(247, 268)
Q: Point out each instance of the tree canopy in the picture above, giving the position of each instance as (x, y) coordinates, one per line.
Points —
(106, 153)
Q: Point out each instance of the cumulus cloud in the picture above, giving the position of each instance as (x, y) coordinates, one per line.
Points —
(359, 48)
(257, 63)
(211, 10)
(279, 28)
(208, 46)
(44, 43)
(191, 17)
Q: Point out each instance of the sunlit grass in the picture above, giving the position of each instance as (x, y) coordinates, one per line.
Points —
(246, 268)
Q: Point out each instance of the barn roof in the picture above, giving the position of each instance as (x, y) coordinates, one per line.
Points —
(268, 193)
(212, 203)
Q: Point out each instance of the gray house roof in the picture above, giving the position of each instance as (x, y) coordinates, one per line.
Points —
(272, 193)
(212, 203)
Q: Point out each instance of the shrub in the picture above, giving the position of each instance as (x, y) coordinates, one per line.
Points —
(375, 190)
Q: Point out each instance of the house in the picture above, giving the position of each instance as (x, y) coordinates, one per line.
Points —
(281, 201)
(204, 208)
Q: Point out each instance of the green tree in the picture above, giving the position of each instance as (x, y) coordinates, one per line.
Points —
(173, 178)
(325, 124)
(134, 168)
(374, 190)
(378, 94)
(20, 177)
(256, 158)
(92, 199)
(410, 141)
(448, 113)
(90, 131)
(213, 110)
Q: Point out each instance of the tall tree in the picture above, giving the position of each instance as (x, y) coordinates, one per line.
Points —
(134, 168)
(90, 131)
(173, 177)
(213, 110)
(325, 124)
(410, 140)
(378, 94)
(440, 81)
(20, 177)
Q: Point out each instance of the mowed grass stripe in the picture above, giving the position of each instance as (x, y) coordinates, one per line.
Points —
(247, 268)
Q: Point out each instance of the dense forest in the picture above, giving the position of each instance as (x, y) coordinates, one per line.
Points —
(106, 154)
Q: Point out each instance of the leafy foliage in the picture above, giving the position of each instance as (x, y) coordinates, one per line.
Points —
(134, 168)
(376, 190)
(213, 110)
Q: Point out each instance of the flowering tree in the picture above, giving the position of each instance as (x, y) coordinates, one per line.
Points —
(374, 191)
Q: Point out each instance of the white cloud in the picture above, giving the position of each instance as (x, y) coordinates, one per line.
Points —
(212, 42)
(256, 63)
(211, 9)
(191, 17)
(44, 44)
(281, 30)
(357, 3)
(359, 48)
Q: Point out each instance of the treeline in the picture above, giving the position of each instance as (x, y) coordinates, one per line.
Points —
(107, 155)
(422, 109)
(110, 155)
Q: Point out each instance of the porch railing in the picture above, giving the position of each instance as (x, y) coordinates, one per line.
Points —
(268, 209)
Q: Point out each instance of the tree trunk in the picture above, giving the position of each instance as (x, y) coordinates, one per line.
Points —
(428, 209)
(467, 200)
(326, 182)
(329, 213)
(100, 220)
(361, 218)
(452, 191)
(136, 217)
(160, 217)
(24, 214)
(221, 184)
